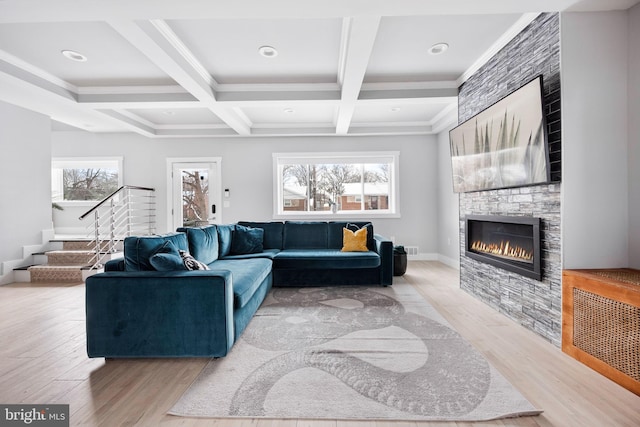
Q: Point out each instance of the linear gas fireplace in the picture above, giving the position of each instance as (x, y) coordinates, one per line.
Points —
(508, 242)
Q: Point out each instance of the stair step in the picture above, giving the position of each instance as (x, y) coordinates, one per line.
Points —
(61, 273)
(56, 273)
(70, 257)
(77, 245)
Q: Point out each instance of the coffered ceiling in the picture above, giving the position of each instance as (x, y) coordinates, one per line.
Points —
(192, 68)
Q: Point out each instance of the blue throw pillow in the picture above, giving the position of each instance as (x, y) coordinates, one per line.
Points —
(247, 240)
(167, 262)
(167, 258)
(139, 249)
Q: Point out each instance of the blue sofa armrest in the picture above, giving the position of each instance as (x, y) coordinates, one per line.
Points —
(159, 314)
(384, 248)
(114, 265)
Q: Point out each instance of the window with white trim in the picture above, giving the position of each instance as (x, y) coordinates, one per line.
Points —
(334, 184)
(84, 179)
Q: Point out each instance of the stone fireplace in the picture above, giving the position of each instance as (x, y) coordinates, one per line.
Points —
(535, 303)
(508, 242)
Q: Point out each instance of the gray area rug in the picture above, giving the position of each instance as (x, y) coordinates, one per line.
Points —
(351, 353)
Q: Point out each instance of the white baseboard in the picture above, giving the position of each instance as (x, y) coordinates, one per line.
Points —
(423, 257)
(453, 263)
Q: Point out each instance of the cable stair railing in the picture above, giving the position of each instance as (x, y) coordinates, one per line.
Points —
(128, 211)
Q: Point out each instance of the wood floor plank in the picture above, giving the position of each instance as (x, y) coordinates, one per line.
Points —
(43, 358)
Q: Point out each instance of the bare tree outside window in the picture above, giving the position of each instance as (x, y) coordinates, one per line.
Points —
(195, 196)
(332, 181)
(89, 183)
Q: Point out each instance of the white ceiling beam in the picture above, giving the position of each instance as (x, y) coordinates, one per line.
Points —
(361, 38)
(99, 10)
(194, 132)
(139, 100)
(35, 91)
(260, 97)
(156, 41)
(425, 94)
(130, 123)
(122, 97)
(391, 130)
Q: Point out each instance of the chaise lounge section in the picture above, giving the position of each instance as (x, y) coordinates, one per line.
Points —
(149, 305)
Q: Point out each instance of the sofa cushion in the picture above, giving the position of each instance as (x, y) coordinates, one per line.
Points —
(203, 242)
(272, 232)
(354, 241)
(225, 236)
(335, 235)
(246, 240)
(139, 249)
(305, 235)
(325, 258)
(246, 276)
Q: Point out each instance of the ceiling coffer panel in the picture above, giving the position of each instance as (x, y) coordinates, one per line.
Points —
(306, 50)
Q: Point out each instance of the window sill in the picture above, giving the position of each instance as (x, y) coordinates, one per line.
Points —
(335, 216)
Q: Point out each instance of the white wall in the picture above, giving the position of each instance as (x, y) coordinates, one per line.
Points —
(634, 136)
(448, 207)
(25, 176)
(595, 142)
(247, 172)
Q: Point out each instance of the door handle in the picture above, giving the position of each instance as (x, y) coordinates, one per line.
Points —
(213, 208)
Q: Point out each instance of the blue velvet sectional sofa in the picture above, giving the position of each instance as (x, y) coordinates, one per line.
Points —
(148, 305)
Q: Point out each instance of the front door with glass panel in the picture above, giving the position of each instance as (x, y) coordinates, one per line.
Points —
(195, 194)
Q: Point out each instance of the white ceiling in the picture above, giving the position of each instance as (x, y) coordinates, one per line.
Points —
(192, 68)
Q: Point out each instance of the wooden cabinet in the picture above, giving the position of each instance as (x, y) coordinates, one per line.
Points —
(601, 322)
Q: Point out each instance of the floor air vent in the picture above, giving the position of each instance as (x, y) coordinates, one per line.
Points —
(411, 250)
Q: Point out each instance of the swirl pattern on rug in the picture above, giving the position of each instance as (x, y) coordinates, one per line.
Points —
(351, 353)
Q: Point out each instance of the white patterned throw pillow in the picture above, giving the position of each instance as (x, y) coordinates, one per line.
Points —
(191, 263)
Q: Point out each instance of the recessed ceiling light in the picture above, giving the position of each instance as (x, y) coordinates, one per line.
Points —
(170, 113)
(395, 109)
(268, 51)
(438, 48)
(74, 56)
(289, 110)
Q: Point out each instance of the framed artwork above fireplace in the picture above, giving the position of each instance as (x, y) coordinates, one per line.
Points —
(503, 146)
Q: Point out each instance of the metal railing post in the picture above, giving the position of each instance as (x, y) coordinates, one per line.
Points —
(128, 207)
(112, 228)
(152, 225)
(97, 237)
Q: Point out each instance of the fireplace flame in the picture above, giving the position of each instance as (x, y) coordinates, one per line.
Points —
(504, 250)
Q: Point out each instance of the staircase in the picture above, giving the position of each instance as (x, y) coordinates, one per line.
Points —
(128, 211)
(70, 260)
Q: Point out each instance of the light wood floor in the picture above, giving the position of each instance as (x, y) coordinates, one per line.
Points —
(43, 360)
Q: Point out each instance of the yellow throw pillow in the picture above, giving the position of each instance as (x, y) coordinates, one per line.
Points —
(354, 242)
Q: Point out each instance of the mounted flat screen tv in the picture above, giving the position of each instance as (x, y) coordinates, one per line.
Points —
(504, 145)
